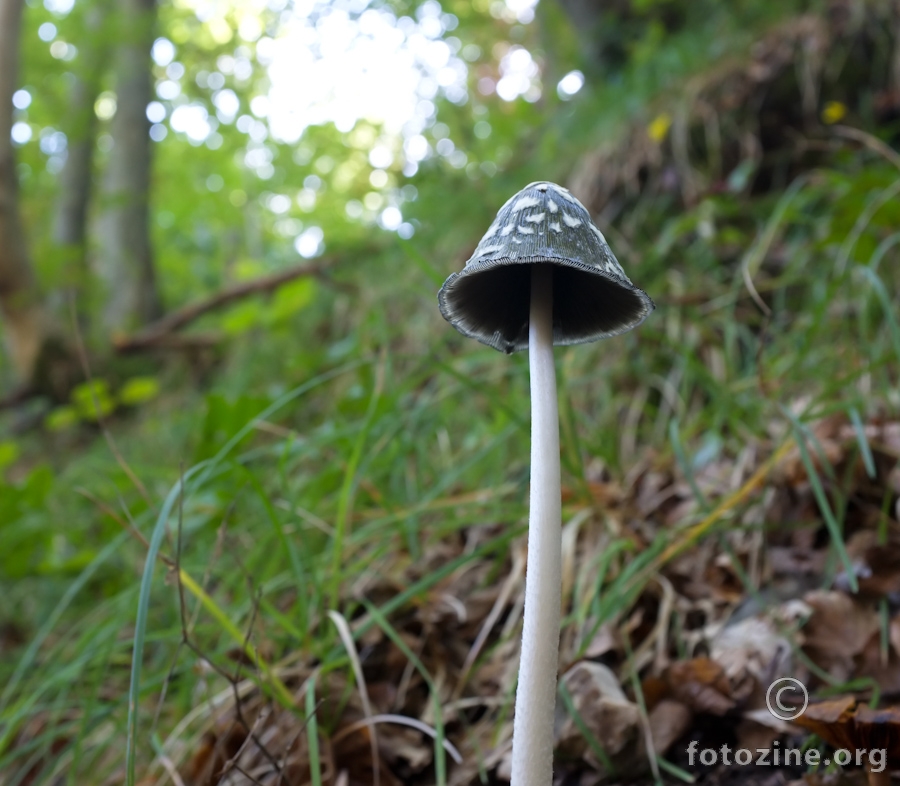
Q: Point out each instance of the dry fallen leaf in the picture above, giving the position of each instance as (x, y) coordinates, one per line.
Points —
(837, 631)
(669, 719)
(860, 730)
(702, 685)
(751, 648)
(605, 711)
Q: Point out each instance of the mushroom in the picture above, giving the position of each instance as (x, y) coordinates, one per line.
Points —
(542, 275)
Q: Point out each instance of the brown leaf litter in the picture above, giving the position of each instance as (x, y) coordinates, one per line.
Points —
(704, 644)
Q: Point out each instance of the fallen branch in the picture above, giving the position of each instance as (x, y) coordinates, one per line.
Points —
(18, 396)
(156, 333)
(169, 342)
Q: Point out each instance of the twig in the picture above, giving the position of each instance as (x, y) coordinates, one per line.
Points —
(18, 396)
(86, 368)
(125, 525)
(232, 680)
(346, 637)
(155, 333)
(871, 142)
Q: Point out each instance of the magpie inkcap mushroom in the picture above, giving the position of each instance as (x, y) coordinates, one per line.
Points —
(542, 275)
(542, 224)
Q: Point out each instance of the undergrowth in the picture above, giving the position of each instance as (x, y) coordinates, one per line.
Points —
(325, 465)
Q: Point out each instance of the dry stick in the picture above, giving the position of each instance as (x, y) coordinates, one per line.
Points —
(500, 605)
(532, 757)
(128, 526)
(247, 775)
(18, 396)
(152, 334)
(871, 142)
(86, 368)
(232, 681)
(346, 636)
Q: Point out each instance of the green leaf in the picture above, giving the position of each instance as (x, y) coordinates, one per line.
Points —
(92, 400)
(9, 452)
(61, 418)
(138, 390)
(243, 317)
(289, 299)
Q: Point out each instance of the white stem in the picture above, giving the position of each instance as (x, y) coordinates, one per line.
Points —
(532, 756)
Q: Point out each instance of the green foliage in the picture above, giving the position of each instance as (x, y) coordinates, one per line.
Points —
(223, 419)
(139, 390)
(92, 402)
(61, 418)
(9, 452)
(26, 538)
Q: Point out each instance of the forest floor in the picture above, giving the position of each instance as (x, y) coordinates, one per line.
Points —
(337, 521)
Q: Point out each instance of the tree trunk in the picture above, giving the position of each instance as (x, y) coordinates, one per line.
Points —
(126, 261)
(70, 220)
(587, 18)
(24, 321)
(69, 227)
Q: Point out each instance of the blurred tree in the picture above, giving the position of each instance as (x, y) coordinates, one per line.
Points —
(75, 179)
(35, 348)
(126, 257)
(609, 30)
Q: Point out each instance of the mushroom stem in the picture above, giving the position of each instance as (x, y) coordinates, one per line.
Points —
(532, 754)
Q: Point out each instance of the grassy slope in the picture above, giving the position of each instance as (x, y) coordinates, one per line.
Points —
(396, 460)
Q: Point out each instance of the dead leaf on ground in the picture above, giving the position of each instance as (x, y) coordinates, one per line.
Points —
(702, 685)
(613, 720)
(837, 631)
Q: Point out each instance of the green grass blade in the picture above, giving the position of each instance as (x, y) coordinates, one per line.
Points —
(440, 755)
(834, 528)
(312, 732)
(887, 305)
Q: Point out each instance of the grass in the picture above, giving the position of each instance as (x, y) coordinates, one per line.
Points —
(412, 452)
(346, 475)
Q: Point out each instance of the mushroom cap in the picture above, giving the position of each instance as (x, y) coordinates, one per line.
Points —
(542, 224)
